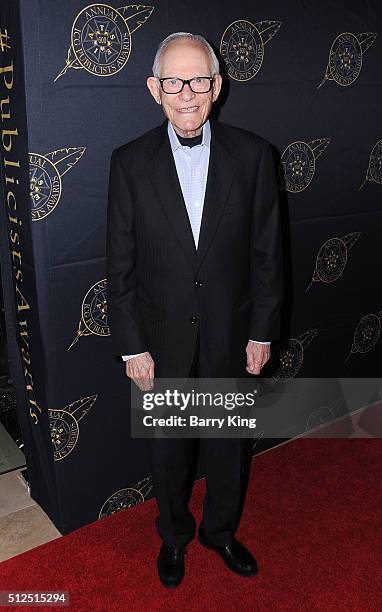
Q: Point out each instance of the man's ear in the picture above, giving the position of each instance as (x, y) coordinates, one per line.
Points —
(152, 84)
(216, 87)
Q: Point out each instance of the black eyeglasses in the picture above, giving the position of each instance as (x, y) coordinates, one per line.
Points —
(174, 85)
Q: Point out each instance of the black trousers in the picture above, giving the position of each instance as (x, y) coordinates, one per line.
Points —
(174, 462)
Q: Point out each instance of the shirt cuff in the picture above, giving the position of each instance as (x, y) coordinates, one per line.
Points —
(258, 341)
(127, 357)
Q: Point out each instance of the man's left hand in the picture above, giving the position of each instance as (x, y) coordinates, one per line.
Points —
(257, 356)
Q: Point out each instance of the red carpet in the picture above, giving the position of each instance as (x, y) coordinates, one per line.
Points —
(312, 517)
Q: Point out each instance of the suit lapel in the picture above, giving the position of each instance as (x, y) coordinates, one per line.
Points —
(221, 171)
(165, 179)
(169, 192)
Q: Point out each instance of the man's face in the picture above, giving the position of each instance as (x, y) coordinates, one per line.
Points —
(187, 111)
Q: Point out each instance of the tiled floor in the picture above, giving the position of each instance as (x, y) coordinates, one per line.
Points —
(11, 456)
(23, 524)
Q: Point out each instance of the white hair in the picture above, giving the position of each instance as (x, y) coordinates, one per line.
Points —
(214, 63)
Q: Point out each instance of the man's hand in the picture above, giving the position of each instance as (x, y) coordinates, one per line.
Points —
(141, 370)
(257, 356)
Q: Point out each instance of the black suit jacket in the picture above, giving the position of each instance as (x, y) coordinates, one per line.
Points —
(161, 289)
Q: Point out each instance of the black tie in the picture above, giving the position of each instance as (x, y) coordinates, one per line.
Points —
(190, 142)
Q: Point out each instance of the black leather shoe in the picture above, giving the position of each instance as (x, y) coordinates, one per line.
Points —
(170, 564)
(235, 555)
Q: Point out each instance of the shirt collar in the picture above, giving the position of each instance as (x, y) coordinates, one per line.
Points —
(174, 142)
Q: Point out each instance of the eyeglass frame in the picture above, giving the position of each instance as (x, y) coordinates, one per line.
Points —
(186, 82)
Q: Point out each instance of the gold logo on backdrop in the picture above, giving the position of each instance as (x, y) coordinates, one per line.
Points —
(289, 356)
(345, 57)
(374, 170)
(332, 258)
(367, 334)
(325, 414)
(64, 428)
(93, 313)
(4, 38)
(298, 163)
(242, 47)
(101, 38)
(126, 498)
(45, 173)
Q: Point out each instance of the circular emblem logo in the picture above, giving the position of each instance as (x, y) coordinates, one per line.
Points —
(45, 186)
(331, 260)
(242, 50)
(367, 333)
(318, 417)
(101, 40)
(64, 432)
(345, 59)
(289, 358)
(94, 309)
(375, 166)
(122, 499)
(298, 164)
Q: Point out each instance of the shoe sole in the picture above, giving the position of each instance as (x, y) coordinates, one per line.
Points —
(246, 575)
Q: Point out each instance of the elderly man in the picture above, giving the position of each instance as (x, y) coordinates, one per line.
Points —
(194, 281)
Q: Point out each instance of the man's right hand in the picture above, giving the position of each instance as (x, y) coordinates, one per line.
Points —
(141, 370)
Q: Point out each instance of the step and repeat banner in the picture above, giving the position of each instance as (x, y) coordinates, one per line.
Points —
(20, 269)
(305, 77)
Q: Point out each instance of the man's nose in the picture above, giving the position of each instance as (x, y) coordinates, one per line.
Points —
(187, 92)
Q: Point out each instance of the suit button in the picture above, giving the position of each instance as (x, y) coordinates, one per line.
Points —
(193, 319)
(198, 283)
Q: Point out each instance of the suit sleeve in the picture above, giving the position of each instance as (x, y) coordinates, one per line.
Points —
(266, 252)
(123, 309)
